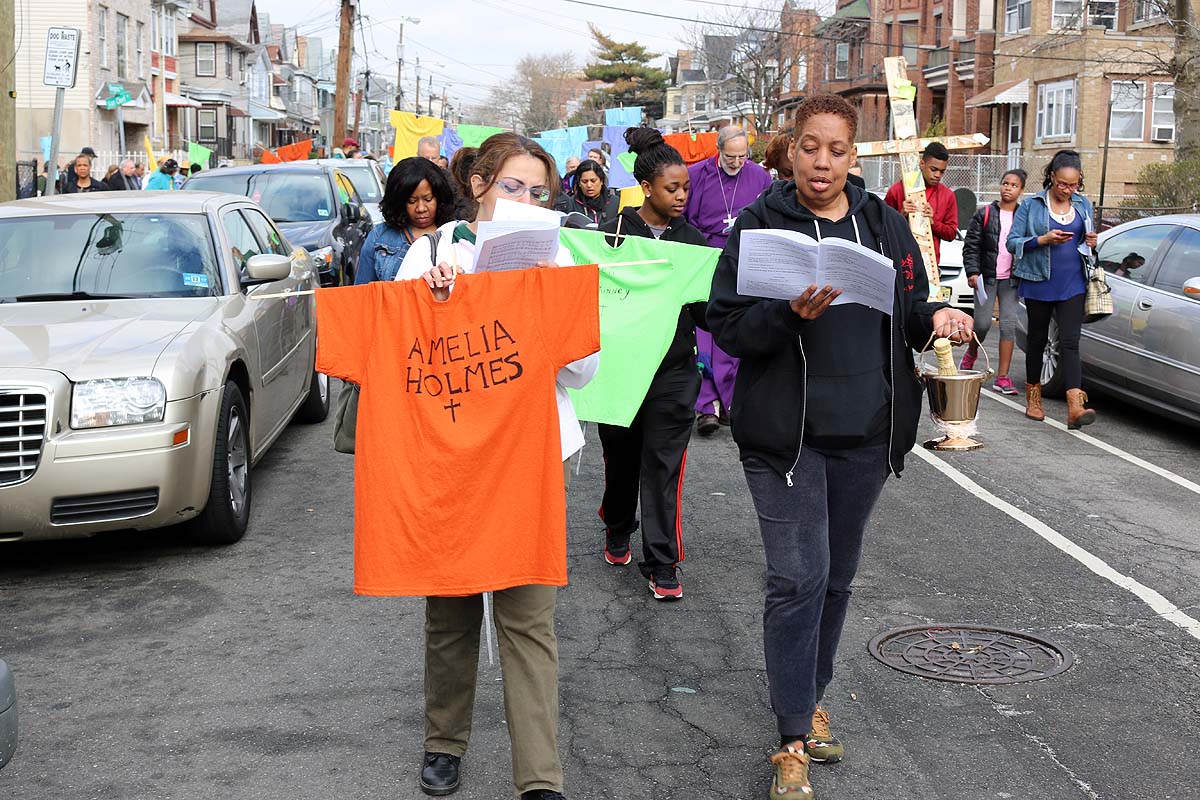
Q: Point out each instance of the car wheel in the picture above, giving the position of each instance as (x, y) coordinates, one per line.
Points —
(1053, 379)
(227, 512)
(316, 407)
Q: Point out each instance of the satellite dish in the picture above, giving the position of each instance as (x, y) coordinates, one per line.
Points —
(967, 204)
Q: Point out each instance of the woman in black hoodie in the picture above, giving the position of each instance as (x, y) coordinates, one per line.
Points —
(591, 195)
(647, 457)
(826, 405)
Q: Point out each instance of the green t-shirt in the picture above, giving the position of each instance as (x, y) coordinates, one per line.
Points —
(639, 312)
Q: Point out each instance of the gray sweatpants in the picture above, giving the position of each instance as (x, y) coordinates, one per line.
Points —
(1005, 291)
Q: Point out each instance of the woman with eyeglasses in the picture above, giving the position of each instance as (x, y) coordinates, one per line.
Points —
(514, 168)
(590, 194)
(1051, 240)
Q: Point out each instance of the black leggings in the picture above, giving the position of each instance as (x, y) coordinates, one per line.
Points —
(1069, 316)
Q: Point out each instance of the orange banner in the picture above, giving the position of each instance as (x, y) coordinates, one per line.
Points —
(295, 152)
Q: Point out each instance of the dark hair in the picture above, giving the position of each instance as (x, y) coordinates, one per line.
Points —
(653, 153)
(194, 168)
(935, 150)
(587, 165)
(487, 160)
(827, 104)
(1019, 173)
(776, 155)
(404, 179)
(1063, 159)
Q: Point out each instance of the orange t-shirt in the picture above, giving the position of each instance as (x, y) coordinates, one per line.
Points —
(458, 479)
(693, 150)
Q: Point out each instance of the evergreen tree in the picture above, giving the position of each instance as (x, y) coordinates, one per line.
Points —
(632, 81)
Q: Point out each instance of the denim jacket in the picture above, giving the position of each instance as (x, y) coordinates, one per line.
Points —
(382, 252)
(1032, 220)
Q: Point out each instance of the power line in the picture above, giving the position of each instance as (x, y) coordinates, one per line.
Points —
(798, 35)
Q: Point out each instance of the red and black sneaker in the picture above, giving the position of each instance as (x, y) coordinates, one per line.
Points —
(664, 583)
(616, 548)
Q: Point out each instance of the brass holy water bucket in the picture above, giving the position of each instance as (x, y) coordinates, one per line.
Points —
(954, 401)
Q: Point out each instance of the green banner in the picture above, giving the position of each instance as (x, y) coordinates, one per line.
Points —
(198, 154)
(474, 135)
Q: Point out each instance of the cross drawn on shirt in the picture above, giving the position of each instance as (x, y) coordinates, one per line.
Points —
(451, 406)
(908, 145)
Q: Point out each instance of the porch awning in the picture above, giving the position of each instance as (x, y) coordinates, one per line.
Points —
(264, 114)
(178, 100)
(1002, 94)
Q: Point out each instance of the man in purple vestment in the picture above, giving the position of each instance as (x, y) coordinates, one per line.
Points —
(721, 187)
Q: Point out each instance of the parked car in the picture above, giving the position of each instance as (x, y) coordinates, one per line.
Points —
(140, 376)
(8, 715)
(315, 205)
(955, 289)
(1148, 350)
(368, 178)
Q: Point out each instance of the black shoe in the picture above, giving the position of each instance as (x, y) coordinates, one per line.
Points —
(707, 424)
(664, 583)
(439, 774)
(541, 794)
(616, 548)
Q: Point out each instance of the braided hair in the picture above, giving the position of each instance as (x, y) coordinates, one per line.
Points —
(1063, 159)
(653, 153)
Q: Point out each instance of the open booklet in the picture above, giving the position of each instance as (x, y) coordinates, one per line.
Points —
(518, 236)
(782, 264)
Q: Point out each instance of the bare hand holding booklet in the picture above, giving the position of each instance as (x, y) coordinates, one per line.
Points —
(782, 264)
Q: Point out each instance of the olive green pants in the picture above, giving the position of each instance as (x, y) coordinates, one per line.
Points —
(528, 661)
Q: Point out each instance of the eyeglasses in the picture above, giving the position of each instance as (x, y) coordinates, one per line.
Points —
(515, 188)
(729, 157)
(1066, 187)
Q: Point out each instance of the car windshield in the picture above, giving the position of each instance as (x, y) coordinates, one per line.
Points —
(287, 197)
(365, 182)
(107, 255)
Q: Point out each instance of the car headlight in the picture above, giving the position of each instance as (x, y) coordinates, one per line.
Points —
(322, 257)
(117, 401)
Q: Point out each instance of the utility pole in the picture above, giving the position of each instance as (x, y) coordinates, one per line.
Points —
(8, 104)
(418, 94)
(363, 97)
(345, 55)
(400, 63)
(443, 102)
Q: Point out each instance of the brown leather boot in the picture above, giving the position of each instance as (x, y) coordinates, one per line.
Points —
(1033, 401)
(1077, 415)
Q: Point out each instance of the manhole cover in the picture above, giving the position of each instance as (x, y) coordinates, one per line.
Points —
(970, 654)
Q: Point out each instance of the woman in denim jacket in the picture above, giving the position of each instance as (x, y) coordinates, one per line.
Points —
(1050, 240)
(416, 200)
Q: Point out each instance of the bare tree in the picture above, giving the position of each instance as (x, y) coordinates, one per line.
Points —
(536, 97)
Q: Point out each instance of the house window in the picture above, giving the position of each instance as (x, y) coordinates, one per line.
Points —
(206, 119)
(1066, 14)
(677, 104)
(1056, 110)
(841, 61)
(862, 55)
(155, 32)
(701, 102)
(241, 65)
(801, 73)
(141, 53)
(102, 35)
(1128, 118)
(1017, 15)
(122, 45)
(1162, 113)
(374, 114)
(206, 59)
(937, 30)
(909, 35)
(228, 61)
(1147, 9)
(168, 27)
(785, 80)
(1103, 13)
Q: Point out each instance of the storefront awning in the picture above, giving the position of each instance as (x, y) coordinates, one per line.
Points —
(1002, 94)
(178, 100)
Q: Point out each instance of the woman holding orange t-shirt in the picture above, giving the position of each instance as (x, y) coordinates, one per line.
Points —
(514, 168)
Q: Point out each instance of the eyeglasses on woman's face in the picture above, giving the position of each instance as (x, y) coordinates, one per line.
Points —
(1067, 187)
(515, 189)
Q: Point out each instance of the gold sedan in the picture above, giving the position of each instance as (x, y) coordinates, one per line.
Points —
(140, 378)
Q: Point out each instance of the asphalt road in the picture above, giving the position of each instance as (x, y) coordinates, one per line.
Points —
(150, 668)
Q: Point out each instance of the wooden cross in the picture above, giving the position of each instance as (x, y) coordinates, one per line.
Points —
(908, 145)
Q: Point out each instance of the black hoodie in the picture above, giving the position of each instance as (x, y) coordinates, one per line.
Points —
(683, 347)
(771, 392)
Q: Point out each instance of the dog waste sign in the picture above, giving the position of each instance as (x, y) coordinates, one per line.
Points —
(62, 55)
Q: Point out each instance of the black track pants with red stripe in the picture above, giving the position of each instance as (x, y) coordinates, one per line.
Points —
(647, 460)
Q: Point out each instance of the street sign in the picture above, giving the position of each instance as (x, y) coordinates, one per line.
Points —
(62, 53)
(117, 100)
(116, 88)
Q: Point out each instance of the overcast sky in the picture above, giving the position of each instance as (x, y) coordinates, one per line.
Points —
(471, 45)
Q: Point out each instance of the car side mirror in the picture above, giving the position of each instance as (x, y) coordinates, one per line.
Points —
(267, 268)
(1191, 288)
(349, 215)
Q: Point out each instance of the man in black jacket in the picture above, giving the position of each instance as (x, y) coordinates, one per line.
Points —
(826, 404)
